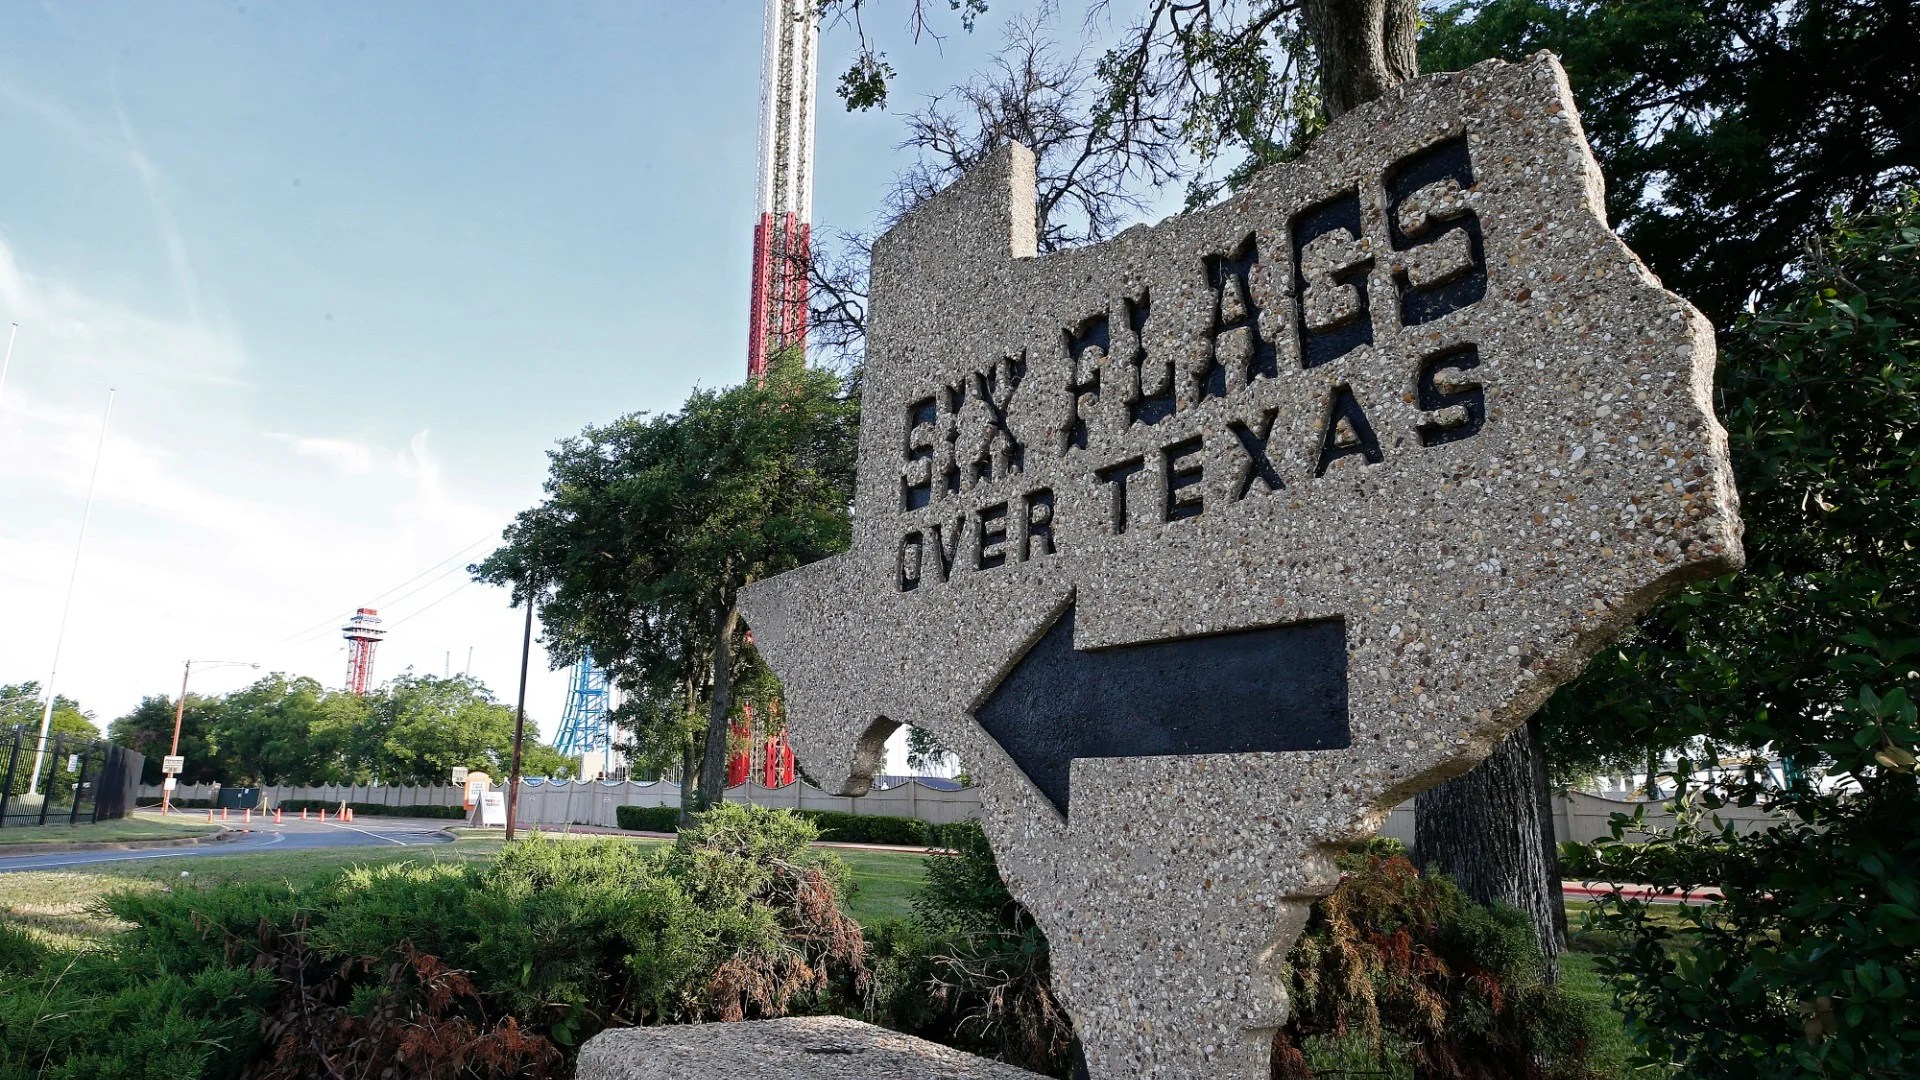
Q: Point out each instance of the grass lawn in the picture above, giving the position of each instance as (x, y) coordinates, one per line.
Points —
(124, 829)
(63, 906)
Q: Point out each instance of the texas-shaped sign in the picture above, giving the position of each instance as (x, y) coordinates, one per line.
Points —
(1206, 546)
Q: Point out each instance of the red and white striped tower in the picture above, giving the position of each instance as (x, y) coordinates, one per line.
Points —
(789, 56)
(362, 633)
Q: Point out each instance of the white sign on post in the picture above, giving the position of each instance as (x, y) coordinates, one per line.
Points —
(459, 775)
(171, 783)
(173, 764)
(73, 762)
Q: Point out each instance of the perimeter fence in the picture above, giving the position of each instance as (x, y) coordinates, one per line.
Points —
(78, 781)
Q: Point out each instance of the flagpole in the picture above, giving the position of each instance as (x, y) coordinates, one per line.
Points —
(86, 519)
(8, 362)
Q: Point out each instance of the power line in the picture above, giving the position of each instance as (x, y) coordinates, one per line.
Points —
(430, 606)
(332, 622)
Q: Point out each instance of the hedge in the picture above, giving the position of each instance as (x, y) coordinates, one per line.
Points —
(648, 818)
(833, 824)
(294, 806)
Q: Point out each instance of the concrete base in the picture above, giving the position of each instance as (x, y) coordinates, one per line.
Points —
(798, 1048)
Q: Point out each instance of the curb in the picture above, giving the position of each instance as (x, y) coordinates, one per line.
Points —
(8, 851)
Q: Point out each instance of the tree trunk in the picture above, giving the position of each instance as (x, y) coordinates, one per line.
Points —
(1365, 48)
(713, 765)
(1491, 831)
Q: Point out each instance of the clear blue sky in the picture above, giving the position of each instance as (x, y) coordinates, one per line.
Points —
(353, 268)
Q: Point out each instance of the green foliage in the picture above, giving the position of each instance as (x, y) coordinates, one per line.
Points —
(650, 527)
(971, 968)
(501, 967)
(648, 818)
(1397, 965)
(288, 730)
(1729, 129)
(1811, 654)
(834, 825)
(294, 806)
(81, 1017)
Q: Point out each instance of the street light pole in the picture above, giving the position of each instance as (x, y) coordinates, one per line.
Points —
(180, 713)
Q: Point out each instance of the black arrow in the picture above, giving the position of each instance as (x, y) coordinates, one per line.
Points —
(1251, 691)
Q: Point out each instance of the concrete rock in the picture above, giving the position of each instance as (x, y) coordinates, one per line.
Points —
(1205, 546)
(798, 1048)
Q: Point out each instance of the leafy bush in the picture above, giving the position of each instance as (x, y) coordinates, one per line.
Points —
(1414, 970)
(1806, 968)
(89, 1015)
(834, 825)
(441, 970)
(664, 819)
(970, 968)
(294, 806)
(873, 828)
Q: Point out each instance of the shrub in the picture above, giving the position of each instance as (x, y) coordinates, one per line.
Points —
(664, 819)
(834, 825)
(447, 970)
(970, 968)
(1410, 968)
(294, 806)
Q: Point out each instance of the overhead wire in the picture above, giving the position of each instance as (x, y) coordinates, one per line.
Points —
(333, 622)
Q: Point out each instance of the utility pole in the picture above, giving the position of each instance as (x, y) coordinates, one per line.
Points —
(519, 723)
(180, 713)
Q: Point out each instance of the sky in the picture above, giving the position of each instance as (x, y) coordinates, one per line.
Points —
(350, 270)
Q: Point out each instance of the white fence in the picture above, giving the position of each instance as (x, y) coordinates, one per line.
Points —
(593, 802)
(1576, 815)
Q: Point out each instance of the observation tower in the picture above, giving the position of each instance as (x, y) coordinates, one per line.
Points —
(362, 633)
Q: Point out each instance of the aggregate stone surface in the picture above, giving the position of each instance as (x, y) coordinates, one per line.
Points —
(1411, 383)
(797, 1048)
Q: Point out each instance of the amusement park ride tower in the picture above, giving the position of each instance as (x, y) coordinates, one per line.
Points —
(789, 54)
(362, 633)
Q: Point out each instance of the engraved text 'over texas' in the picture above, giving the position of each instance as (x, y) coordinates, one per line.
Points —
(1205, 546)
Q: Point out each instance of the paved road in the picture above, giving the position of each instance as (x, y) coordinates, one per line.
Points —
(292, 836)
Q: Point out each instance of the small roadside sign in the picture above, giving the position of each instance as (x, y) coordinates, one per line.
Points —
(493, 809)
(459, 774)
(73, 762)
(171, 783)
(173, 764)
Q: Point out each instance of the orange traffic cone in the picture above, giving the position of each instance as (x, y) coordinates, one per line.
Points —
(277, 818)
(303, 813)
(323, 813)
(246, 816)
(209, 813)
(349, 815)
(223, 813)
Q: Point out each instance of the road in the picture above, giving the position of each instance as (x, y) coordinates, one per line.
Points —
(292, 836)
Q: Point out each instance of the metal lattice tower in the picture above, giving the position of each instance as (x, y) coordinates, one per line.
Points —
(789, 58)
(585, 728)
(362, 633)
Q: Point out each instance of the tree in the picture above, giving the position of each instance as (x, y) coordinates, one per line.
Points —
(651, 527)
(428, 725)
(1728, 129)
(148, 729)
(23, 704)
(1802, 970)
(1094, 169)
(265, 732)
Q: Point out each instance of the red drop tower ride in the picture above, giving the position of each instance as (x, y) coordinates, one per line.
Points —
(778, 311)
(362, 633)
(789, 51)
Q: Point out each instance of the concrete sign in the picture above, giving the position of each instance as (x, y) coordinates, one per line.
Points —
(173, 764)
(1205, 546)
